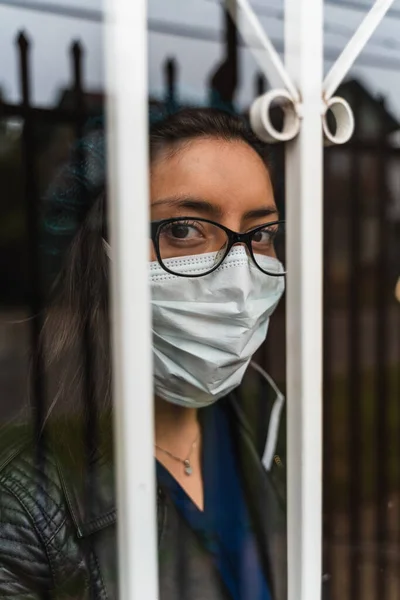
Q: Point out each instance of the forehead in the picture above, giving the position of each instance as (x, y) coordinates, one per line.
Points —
(227, 173)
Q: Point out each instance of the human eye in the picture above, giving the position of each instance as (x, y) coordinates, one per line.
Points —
(183, 230)
(265, 236)
(190, 236)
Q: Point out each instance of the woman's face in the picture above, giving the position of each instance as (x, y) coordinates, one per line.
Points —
(224, 181)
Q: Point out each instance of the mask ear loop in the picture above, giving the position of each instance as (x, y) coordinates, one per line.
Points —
(274, 420)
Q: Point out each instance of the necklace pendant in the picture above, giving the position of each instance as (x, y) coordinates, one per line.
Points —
(188, 467)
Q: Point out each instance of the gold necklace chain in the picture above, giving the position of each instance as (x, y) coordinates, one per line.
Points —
(184, 461)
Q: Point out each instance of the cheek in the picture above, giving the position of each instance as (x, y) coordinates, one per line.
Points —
(152, 252)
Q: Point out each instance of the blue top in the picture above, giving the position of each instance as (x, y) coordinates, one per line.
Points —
(224, 527)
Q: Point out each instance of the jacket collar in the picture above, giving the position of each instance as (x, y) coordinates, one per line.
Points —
(266, 501)
(89, 486)
(87, 478)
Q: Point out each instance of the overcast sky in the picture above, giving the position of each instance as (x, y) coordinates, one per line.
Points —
(52, 34)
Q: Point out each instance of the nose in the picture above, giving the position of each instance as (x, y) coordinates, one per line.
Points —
(243, 245)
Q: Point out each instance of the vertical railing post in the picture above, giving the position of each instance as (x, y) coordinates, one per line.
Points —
(354, 442)
(328, 413)
(128, 191)
(87, 347)
(304, 62)
(382, 389)
(32, 233)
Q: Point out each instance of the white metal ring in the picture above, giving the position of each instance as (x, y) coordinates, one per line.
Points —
(260, 117)
(344, 118)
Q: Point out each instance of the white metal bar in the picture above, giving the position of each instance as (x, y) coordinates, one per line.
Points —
(260, 45)
(304, 62)
(127, 140)
(359, 40)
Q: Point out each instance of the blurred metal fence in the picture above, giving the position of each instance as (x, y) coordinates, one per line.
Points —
(35, 121)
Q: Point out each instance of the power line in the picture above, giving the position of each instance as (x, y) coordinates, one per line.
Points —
(361, 7)
(334, 28)
(86, 14)
(187, 31)
(204, 34)
(343, 4)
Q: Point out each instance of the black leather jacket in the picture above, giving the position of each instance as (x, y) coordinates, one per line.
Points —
(55, 544)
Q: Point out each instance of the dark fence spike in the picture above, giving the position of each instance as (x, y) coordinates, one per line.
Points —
(224, 80)
(260, 84)
(77, 55)
(35, 299)
(23, 41)
(77, 78)
(24, 47)
(77, 47)
(170, 73)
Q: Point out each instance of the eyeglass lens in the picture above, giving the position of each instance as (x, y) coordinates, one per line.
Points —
(191, 237)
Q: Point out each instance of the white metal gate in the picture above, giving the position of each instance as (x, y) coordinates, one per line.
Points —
(305, 98)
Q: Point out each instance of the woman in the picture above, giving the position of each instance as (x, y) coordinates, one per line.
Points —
(215, 280)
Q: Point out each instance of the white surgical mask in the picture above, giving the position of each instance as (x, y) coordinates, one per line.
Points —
(206, 329)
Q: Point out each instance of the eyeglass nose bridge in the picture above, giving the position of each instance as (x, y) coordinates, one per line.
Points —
(241, 238)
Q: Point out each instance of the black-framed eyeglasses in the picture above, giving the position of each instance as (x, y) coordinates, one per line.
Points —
(181, 237)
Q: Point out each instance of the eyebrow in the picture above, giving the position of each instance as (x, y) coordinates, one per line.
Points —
(191, 203)
(258, 213)
(205, 207)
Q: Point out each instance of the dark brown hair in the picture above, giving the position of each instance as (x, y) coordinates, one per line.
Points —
(190, 124)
